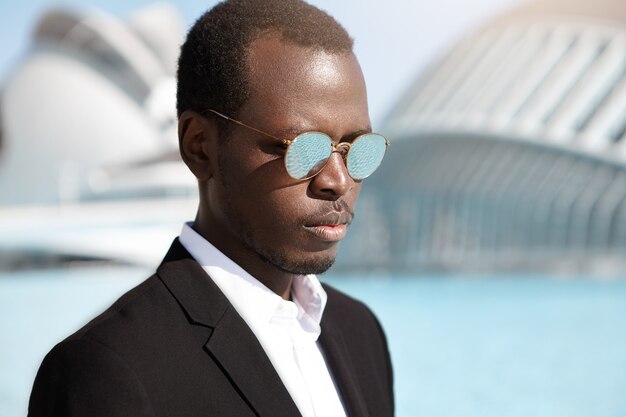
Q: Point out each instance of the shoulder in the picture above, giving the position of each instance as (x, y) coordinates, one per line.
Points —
(124, 316)
(341, 304)
(145, 316)
(87, 371)
(130, 313)
(96, 364)
(354, 319)
(107, 334)
(81, 372)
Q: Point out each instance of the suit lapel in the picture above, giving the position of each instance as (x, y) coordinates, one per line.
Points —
(231, 343)
(339, 361)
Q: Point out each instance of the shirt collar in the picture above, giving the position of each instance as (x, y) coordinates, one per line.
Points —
(254, 302)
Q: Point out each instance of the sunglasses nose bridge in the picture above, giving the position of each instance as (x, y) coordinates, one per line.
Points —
(342, 147)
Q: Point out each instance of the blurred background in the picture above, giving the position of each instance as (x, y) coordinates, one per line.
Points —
(490, 244)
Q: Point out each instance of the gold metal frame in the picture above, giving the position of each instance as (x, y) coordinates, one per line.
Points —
(342, 147)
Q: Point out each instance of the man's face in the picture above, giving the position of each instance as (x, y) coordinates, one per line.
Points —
(294, 225)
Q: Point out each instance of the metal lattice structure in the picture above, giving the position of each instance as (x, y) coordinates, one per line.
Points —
(536, 79)
(509, 153)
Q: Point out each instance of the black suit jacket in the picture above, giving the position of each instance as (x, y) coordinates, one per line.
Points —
(175, 346)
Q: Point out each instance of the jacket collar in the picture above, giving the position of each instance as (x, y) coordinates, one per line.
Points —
(231, 342)
(234, 346)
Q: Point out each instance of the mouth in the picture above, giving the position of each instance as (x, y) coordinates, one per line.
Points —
(328, 232)
(330, 228)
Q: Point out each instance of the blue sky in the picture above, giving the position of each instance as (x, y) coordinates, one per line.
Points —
(394, 40)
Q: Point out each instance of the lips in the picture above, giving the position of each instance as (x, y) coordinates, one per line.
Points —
(328, 233)
(331, 227)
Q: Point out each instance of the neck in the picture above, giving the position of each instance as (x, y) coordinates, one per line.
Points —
(269, 275)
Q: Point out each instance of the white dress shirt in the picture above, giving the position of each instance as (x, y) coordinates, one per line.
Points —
(287, 331)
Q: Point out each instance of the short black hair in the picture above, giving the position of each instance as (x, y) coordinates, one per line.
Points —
(212, 63)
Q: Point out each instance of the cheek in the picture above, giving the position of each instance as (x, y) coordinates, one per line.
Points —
(267, 201)
(254, 171)
(284, 208)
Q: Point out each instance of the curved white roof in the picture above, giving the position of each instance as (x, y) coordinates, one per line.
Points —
(129, 48)
(548, 72)
(92, 93)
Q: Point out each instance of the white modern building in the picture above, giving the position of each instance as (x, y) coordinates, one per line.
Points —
(510, 152)
(89, 142)
(90, 108)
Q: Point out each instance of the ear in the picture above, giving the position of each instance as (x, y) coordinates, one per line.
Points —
(198, 141)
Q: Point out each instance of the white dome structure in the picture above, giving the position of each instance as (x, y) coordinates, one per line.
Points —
(549, 72)
(92, 95)
(510, 152)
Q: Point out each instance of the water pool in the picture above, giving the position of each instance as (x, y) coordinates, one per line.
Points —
(484, 347)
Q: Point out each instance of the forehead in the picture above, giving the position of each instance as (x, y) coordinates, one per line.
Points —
(303, 82)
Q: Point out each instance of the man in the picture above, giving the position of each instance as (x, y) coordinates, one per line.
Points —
(234, 323)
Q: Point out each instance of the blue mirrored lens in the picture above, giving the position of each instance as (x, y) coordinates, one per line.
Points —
(366, 154)
(307, 154)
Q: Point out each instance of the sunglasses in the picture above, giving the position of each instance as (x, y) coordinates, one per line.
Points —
(308, 153)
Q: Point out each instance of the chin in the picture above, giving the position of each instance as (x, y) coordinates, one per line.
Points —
(318, 266)
(308, 263)
(293, 260)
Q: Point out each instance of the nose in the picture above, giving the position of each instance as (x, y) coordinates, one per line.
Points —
(333, 181)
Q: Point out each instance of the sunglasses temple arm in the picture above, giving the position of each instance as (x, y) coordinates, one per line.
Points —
(286, 142)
